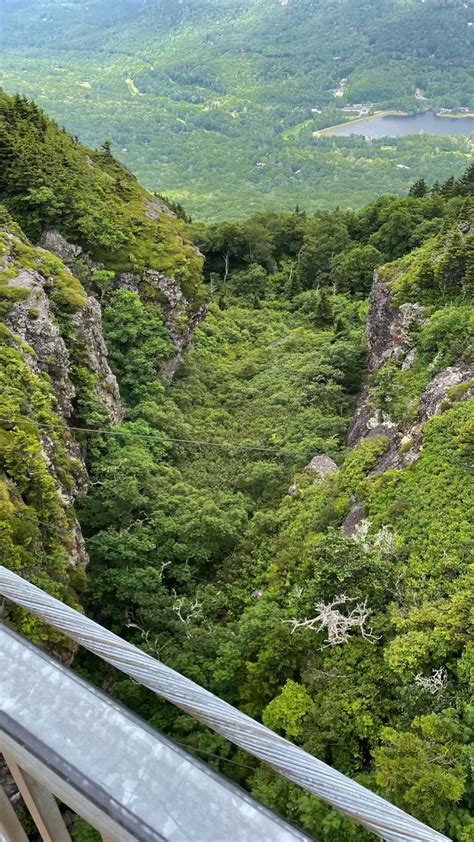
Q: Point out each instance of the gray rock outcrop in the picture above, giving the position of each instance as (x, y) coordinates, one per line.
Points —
(322, 465)
(180, 319)
(32, 321)
(388, 326)
(53, 241)
(437, 395)
(388, 331)
(88, 323)
(353, 519)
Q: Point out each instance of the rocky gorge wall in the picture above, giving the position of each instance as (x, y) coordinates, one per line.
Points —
(390, 339)
(53, 348)
(391, 333)
(181, 317)
(52, 327)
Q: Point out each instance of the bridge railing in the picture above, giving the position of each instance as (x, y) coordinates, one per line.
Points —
(350, 798)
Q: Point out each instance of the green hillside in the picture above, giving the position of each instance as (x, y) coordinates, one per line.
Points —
(48, 180)
(212, 102)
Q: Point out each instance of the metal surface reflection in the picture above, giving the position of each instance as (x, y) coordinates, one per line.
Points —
(110, 766)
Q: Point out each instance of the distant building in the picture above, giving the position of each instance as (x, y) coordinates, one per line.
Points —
(362, 109)
(340, 90)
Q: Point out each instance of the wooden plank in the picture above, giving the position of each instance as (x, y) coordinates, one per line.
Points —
(65, 792)
(41, 804)
(10, 827)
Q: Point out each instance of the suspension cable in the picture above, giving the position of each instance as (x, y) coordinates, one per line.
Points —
(151, 436)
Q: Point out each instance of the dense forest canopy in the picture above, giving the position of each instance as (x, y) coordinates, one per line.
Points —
(216, 541)
(214, 102)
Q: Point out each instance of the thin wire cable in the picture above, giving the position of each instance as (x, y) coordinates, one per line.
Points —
(360, 804)
(216, 756)
(18, 514)
(147, 436)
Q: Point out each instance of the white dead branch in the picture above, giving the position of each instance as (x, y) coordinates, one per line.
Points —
(435, 683)
(337, 625)
(383, 540)
(186, 610)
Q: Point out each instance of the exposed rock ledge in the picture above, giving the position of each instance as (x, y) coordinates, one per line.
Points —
(388, 326)
(88, 322)
(32, 320)
(388, 332)
(323, 466)
(181, 322)
(53, 241)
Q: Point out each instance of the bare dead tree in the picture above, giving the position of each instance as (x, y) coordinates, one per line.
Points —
(151, 641)
(186, 610)
(433, 684)
(164, 565)
(361, 534)
(383, 540)
(294, 267)
(226, 265)
(335, 623)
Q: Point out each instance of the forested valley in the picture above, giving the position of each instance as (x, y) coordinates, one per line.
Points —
(215, 102)
(247, 448)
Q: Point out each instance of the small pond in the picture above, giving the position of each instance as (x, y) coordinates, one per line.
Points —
(397, 126)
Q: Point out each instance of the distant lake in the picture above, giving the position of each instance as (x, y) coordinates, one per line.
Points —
(397, 126)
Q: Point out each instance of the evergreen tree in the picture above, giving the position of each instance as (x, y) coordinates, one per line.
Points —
(450, 267)
(465, 185)
(448, 189)
(419, 189)
(323, 311)
(468, 276)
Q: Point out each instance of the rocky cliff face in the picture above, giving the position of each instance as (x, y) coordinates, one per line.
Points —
(49, 321)
(56, 328)
(390, 339)
(32, 319)
(53, 330)
(88, 326)
(391, 332)
(181, 318)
